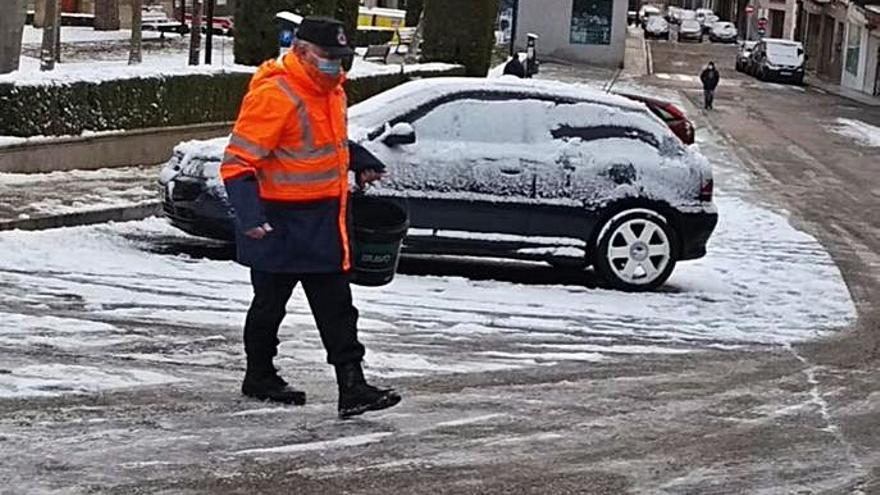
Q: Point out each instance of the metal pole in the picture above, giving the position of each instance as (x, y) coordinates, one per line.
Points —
(209, 33)
(513, 28)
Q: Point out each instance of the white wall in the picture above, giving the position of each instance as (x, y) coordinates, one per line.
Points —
(551, 20)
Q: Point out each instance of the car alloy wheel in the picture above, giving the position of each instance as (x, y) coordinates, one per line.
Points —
(636, 251)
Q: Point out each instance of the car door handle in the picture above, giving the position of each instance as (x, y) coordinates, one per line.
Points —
(511, 170)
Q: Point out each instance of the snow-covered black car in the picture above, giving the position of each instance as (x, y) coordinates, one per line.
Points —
(510, 168)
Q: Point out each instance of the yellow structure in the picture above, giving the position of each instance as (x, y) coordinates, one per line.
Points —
(377, 17)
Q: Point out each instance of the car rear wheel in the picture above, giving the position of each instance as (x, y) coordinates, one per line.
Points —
(636, 251)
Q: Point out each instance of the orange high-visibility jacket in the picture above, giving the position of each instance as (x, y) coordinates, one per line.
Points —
(287, 164)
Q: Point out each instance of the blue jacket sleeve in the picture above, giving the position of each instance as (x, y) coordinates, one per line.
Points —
(244, 195)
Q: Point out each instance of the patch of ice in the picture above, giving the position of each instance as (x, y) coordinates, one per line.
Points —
(863, 133)
(48, 380)
(353, 441)
(471, 420)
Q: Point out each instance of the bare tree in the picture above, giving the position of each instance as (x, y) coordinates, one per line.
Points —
(106, 15)
(412, 54)
(49, 47)
(12, 16)
(195, 36)
(134, 54)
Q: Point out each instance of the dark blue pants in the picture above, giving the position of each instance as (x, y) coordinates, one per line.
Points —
(329, 296)
(709, 95)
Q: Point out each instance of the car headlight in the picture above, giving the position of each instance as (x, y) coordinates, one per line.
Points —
(771, 66)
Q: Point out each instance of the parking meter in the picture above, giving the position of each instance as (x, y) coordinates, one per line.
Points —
(532, 55)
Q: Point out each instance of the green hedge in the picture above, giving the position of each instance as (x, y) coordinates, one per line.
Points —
(71, 109)
(367, 37)
(460, 31)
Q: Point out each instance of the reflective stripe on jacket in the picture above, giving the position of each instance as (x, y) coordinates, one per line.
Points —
(288, 158)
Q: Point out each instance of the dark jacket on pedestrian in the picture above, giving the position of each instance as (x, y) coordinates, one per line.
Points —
(515, 68)
(710, 78)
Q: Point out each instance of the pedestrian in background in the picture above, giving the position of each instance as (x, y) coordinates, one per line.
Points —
(286, 174)
(710, 78)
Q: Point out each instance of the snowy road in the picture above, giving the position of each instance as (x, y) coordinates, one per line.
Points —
(120, 345)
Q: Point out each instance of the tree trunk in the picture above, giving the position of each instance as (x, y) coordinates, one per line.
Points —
(39, 13)
(12, 16)
(195, 36)
(134, 54)
(106, 15)
(58, 33)
(209, 32)
(412, 54)
(47, 51)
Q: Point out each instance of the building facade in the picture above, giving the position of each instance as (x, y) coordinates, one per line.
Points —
(587, 31)
(842, 42)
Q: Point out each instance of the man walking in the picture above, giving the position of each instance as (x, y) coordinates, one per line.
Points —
(710, 79)
(286, 174)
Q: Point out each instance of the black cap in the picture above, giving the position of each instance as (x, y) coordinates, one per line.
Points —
(326, 32)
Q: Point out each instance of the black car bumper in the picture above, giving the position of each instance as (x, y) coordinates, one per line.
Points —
(795, 76)
(694, 230)
(197, 211)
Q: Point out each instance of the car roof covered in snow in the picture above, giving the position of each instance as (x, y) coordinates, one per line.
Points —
(389, 104)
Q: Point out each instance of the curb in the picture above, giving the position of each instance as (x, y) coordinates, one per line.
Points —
(112, 149)
(121, 214)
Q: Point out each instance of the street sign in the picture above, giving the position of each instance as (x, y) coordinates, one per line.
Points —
(750, 9)
(762, 23)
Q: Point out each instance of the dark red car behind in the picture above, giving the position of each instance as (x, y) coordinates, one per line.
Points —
(671, 114)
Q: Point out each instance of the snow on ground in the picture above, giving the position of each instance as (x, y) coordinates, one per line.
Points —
(101, 60)
(762, 283)
(863, 133)
(79, 34)
(57, 193)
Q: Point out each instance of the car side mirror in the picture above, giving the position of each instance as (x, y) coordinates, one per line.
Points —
(400, 133)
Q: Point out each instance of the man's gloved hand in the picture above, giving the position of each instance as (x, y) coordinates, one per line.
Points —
(258, 233)
(369, 175)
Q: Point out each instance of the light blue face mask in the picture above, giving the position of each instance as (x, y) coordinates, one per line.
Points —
(330, 67)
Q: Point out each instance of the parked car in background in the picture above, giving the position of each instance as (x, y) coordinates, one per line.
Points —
(778, 60)
(657, 27)
(743, 55)
(675, 119)
(723, 32)
(708, 21)
(632, 17)
(690, 29)
(510, 168)
(647, 11)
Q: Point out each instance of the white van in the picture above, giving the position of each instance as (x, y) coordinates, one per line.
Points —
(778, 60)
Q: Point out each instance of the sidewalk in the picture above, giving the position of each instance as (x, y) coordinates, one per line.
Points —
(636, 61)
(57, 199)
(836, 89)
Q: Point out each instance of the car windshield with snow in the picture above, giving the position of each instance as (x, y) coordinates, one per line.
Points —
(509, 168)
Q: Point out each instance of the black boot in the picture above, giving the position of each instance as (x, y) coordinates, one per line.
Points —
(356, 396)
(267, 385)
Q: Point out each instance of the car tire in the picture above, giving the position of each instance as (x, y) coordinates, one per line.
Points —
(623, 256)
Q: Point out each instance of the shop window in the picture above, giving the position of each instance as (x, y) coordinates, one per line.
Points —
(591, 22)
(853, 49)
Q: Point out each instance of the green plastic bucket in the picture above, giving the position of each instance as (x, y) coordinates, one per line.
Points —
(379, 228)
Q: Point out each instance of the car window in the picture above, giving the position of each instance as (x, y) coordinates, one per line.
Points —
(591, 121)
(470, 119)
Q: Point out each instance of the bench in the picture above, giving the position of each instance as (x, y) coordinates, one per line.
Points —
(405, 37)
(378, 52)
